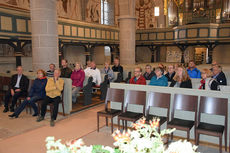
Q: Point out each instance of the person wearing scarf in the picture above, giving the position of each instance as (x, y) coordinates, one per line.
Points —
(208, 83)
(37, 92)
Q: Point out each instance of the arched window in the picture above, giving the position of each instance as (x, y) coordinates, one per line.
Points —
(107, 12)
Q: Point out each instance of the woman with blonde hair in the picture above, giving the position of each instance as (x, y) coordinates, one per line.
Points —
(77, 77)
(181, 79)
(208, 83)
(37, 92)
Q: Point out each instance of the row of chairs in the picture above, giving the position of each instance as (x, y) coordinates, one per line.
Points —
(5, 81)
(208, 105)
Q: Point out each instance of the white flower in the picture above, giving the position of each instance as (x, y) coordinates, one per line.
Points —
(181, 147)
(144, 139)
(85, 149)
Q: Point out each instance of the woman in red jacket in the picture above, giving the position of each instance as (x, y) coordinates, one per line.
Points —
(138, 78)
(78, 77)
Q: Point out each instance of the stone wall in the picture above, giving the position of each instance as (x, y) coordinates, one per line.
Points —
(9, 63)
(221, 54)
(163, 55)
(99, 55)
(77, 54)
(167, 54)
(174, 54)
(143, 55)
(74, 54)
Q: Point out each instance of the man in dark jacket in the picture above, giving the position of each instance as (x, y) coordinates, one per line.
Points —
(18, 87)
(171, 73)
(117, 67)
(65, 70)
(219, 75)
(148, 72)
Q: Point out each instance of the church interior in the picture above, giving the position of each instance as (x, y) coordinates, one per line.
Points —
(102, 65)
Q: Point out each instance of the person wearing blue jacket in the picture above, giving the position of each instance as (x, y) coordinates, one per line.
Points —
(37, 92)
(193, 72)
(159, 79)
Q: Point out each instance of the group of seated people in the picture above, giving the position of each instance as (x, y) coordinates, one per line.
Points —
(78, 74)
(43, 89)
(179, 76)
(50, 90)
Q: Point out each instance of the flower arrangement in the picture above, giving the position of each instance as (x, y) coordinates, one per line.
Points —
(143, 139)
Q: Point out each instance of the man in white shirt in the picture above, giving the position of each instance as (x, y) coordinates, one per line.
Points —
(94, 72)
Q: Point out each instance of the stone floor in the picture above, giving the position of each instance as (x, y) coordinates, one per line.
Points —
(25, 135)
(25, 122)
(80, 102)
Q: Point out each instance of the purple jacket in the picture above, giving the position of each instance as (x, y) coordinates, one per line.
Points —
(78, 78)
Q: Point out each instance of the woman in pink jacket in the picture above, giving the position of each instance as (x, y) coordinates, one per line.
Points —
(77, 77)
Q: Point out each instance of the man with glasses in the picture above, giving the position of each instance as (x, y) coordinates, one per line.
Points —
(138, 78)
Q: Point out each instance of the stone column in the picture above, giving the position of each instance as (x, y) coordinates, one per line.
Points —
(127, 22)
(44, 33)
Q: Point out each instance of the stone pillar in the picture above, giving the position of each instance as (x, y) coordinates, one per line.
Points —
(127, 22)
(44, 33)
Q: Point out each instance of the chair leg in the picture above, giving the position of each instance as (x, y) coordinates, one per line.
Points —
(197, 138)
(188, 135)
(195, 134)
(123, 124)
(171, 136)
(126, 128)
(225, 140)
(118, 123)
(220, 145)
(167, 140)
(106, 121)
(111, 124)
(159, 129)
(97, 123)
